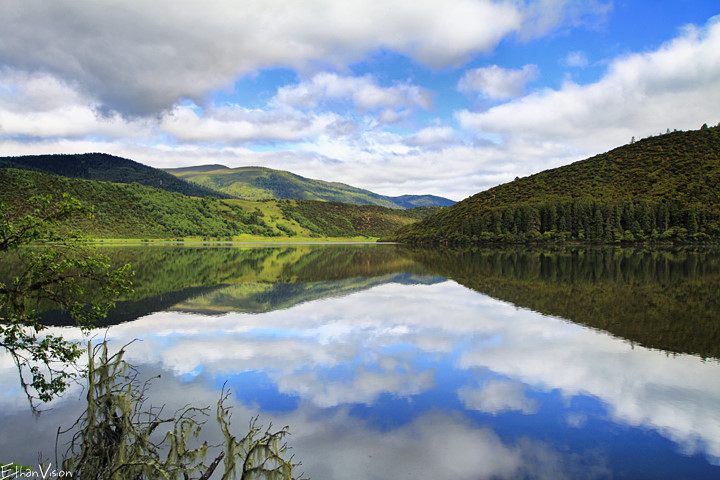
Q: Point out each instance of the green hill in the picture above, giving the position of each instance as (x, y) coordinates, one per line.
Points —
(136, 211)
(108, 168)
(219, 181)
(412, 201)
(663, 188)
(260, 183)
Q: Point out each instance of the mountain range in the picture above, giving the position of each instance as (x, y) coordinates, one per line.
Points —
(218, 181)
(260, 183)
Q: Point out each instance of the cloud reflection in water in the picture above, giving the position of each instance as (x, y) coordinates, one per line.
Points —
(449, 373)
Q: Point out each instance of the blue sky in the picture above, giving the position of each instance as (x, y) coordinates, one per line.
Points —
(448, 97)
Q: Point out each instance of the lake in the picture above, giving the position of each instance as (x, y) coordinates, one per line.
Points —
(391, 362)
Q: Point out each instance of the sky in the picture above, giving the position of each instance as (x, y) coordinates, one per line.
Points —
(443, 97)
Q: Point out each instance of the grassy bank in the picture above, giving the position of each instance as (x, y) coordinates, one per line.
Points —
(240, 239)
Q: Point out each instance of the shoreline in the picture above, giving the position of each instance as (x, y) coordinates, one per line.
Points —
(195, 241)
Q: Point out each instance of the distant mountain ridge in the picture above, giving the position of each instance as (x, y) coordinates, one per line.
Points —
(131, 210)
(662, 188)
(262, 183)
(217, 181)
(108, 168)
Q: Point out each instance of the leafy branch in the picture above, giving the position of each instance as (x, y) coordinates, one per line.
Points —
(57, 271)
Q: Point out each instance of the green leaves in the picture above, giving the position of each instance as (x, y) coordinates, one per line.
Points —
(39, 221)
(54, 270)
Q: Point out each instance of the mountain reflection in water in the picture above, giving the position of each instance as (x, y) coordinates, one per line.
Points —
(385, 369)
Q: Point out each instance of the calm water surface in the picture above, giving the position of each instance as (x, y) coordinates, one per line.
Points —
(394, 363)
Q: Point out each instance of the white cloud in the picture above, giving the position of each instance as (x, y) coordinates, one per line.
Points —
(315, 134)
(433, 446)
(385, 163)
(233, 124)
(69, 67)
(389, 116)
(363, 92)
(456, 30)
(388, 164)
(498, 83)
(497, 396)
(140, 58)
(576, 59)
(364, 387)
(641, 94)
(432, 136)
(638, 386)
(42, 106)
(542, 16)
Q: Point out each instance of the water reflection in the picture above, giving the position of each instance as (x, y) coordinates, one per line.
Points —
(665, 299)
(414, 376)
(214, 280)
(659, 298)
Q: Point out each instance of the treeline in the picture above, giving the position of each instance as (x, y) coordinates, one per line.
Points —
(664, 189)
(179, 216)
(338, 219)
(584, 221)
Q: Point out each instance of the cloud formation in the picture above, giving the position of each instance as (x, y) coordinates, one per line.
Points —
(576, 59)
(139, 58)
(496, 397)
(233, 124)
(161, 83)
(362, 92)
(41, 106)
(335, 352)
(641, 94)
(498, 83)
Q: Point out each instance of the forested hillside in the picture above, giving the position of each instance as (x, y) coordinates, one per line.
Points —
(137, 211)
(338, 219)
(260, 183)
(663, 188)
(108, 168)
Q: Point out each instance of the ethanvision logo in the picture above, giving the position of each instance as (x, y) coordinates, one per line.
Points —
(15, 470)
